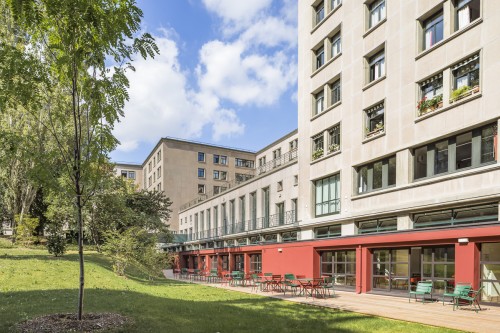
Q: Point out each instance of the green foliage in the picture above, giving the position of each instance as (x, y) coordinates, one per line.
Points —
(317, 154)
(459, 92)
(56, 244)
(26, 229)
(124, 248)
(32, 283)
(6, 243)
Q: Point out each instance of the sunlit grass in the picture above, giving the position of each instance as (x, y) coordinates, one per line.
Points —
(33, 283)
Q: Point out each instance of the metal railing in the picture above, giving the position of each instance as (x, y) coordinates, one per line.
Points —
(226, 185)
(277, 162)
(260, 223)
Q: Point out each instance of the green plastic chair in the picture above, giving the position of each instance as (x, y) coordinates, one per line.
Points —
(289, 283)
(469, 300)
(256, 282)
(461, 289)
(328, 286)
(423, 288)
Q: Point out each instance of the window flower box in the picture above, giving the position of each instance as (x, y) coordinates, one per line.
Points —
(379, 129)
(463, 92)
(333, 148)
(425, 106)
(317, 154)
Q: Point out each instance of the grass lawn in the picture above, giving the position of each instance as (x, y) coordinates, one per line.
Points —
(33, 283)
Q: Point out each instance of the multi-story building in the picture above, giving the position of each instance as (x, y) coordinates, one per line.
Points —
(129, 171)
(398, 175)
(188, 170)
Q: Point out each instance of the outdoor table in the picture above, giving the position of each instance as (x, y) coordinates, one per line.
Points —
(310, 285)
(276, 282)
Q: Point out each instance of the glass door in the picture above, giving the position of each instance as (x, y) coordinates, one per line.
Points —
(391, 270)
(438, 265)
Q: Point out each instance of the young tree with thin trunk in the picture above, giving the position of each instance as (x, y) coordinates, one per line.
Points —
(70, 59)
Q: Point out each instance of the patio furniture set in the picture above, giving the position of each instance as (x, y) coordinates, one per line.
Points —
(462, 294)
(268, 282)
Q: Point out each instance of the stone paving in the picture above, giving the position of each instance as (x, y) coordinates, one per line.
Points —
(487, 320)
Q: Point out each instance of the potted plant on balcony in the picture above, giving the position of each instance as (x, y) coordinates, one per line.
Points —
(424, 105)
(460, 93)
(333, 148)
(379, 128)
(317, 154)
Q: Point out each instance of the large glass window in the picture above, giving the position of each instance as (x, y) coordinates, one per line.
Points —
(336, 45)
(374, 120)
(377, 12)
(328, 231)
(336, 92)
(433, 30)
(377, 66)
(214, 265)
(457, 216)
(341, 266)
(377, 175)
(467, 150)
(319, 100)
(466, 12)
(225, 262)
(327, 198)
(378, 225)
(490, 272)
(391, 270)
(289, 236)
(256, 263)
(320, 12)
(320, 57)
(438, 265)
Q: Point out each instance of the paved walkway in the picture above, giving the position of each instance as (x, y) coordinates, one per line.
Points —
(487, 320)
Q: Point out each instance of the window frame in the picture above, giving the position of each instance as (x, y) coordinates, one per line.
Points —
(378, 59)
(331, 200)
(376, 7)
(336, 44)
(202, 155)
(432, 23)
(319, 55)
(319, 102)
(203, 174)
(319, 11)
(370, 170)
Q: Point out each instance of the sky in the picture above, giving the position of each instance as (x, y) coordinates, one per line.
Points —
(226, 75)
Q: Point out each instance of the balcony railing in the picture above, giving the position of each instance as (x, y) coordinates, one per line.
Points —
(260, 223)
(277, 162)
(224, 186)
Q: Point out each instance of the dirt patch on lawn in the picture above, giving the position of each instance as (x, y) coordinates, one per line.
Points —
(67, 322)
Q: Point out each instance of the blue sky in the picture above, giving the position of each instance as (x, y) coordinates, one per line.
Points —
(226, 74)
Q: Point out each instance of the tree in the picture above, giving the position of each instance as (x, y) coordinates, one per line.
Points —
(57, 63)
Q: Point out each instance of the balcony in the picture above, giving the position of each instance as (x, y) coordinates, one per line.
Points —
(257, 224)
(277, 162)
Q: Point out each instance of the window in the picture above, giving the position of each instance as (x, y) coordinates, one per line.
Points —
(223, 160)
(336, 45)
(377, 12)
(154, 177)
(317, 146)
(335, 3)
(158, 156)
(431, 94)
(154, 161)
(466, 12)
(377, 66)
(378, 225)
(457, 216)
(241, 177)
(334, 139)
(327, 195)
(280, 186)
(318, 102)
(336, 93)
(320, 57)
(201, 157)
(216, 174)
(216, 159)
(320, 12)
(341, 266)
(277, 153)
(158, 172)
(295, 180)
(465, 77)
(242, 210)
(223, 175)
(289, 236)
(328, 231)
(239, 162)
(150, 167)
(201, 189)
(391, 269)
(433, 30)
(377, 175)
(490, 272)
(466, 150)
(262, 161)
(217, 189)
(438, 265)
(201, 173)
(150, 181)
(374, 120)
(124, 174)
(294, 144)
(131, 175)
(255, 263)
(273, 238)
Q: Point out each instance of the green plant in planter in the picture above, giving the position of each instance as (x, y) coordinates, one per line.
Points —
(317, 154)
(333, 147)
(459, 92)
(379, 126)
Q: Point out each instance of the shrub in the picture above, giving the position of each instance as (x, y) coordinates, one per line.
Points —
(56, 244)
(458, 92)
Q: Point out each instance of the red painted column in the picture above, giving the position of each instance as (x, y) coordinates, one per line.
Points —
(359, 269)
(316, 260)
(366, 270)
(467, 263)
(246, 263)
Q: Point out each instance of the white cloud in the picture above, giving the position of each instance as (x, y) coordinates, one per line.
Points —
(254, 67)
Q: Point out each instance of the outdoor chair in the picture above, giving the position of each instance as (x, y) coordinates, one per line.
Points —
(184, 273)
(471, 299)
(225, 278)
(290, 283)
(267, 281)
(328, 286)
(212, 276)
(194, 274)
(236, 277)
(461, 289)
(423, 288)
(255, 282)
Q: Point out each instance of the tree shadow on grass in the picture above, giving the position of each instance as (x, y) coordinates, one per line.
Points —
(214, 313)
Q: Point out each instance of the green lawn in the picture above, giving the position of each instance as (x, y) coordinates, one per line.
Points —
(33, 283)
